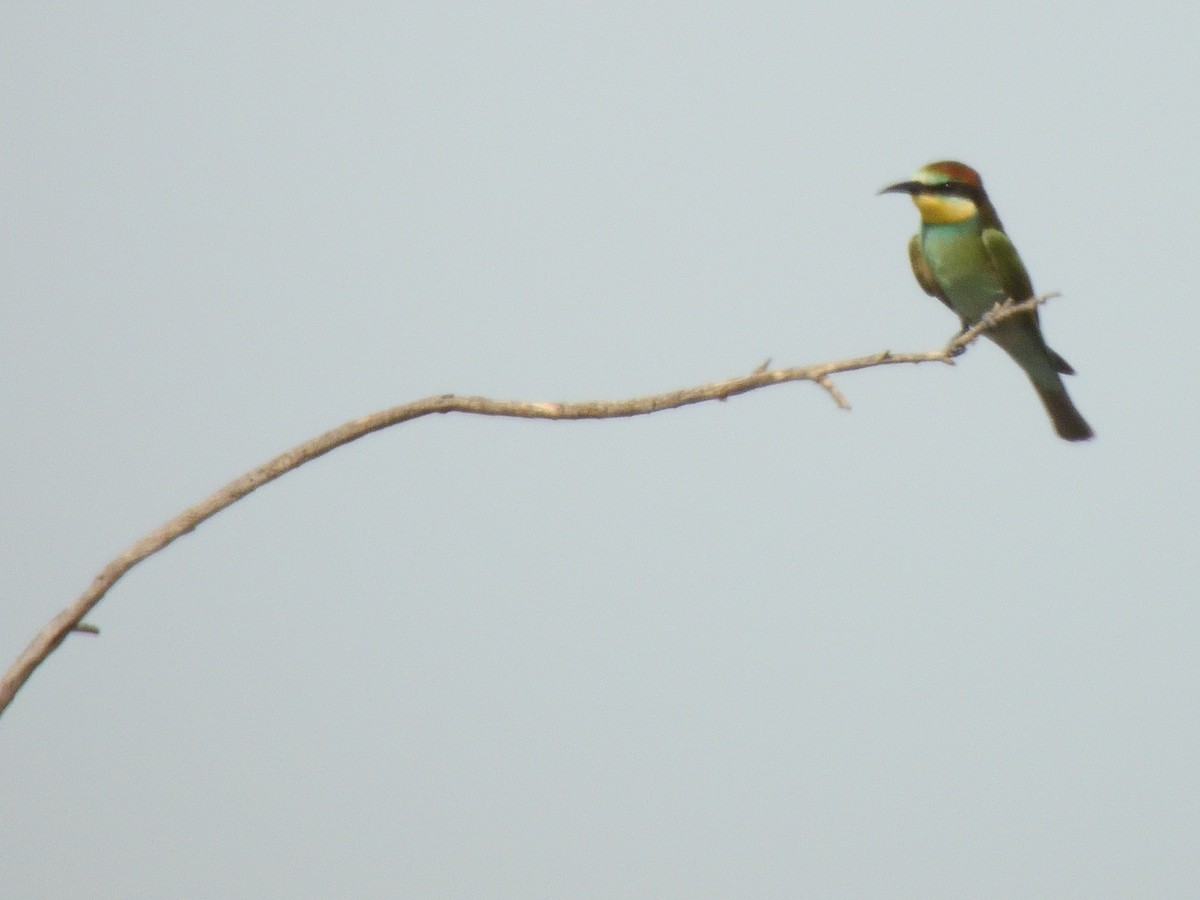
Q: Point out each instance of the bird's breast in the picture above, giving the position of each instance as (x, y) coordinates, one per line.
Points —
(962, 268)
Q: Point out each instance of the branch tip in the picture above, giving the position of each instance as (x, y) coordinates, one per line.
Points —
(838, 397)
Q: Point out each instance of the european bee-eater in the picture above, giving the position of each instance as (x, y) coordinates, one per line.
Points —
(962, 256)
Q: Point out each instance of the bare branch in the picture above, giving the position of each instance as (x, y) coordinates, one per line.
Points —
(71, 619)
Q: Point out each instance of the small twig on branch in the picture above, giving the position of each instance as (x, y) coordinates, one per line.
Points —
(838, 397)
(71, 619)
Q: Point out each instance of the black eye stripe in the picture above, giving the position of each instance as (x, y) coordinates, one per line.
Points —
(953, 189)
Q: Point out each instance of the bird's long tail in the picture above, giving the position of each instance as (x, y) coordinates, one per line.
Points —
(1023, 341)
(1069, 424)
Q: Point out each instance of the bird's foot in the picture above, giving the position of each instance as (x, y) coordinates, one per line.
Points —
(957, 349)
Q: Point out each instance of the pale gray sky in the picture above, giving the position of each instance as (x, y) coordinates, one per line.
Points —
(763, 648)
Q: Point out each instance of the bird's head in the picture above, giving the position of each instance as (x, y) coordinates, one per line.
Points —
(944, 192)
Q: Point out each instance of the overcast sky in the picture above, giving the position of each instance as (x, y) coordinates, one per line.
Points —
(762, 648)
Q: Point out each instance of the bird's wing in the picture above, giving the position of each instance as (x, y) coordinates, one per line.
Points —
(1017, 285)
(923, 273)
(1008, 264)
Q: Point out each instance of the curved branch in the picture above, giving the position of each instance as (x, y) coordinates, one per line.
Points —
(71, 618)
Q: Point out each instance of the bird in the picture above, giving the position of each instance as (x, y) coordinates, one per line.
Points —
(963, 257)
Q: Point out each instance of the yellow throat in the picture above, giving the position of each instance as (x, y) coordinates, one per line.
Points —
(941, 210)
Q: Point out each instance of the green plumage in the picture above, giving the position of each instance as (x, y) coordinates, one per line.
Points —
(963, 257)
